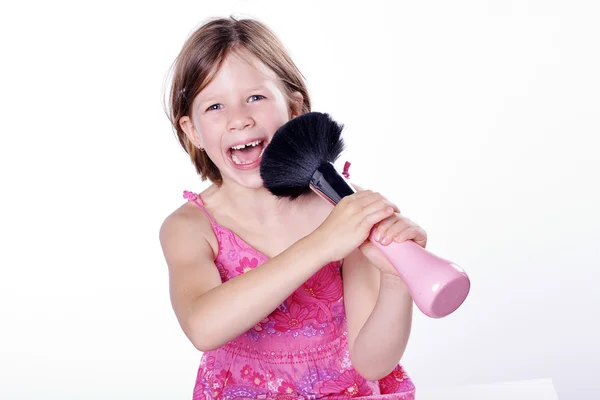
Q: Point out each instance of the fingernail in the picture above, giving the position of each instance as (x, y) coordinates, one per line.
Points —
(397, 238)
(386, 240)
(377, 236)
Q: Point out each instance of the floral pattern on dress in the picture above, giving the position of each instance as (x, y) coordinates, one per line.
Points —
(299, 351)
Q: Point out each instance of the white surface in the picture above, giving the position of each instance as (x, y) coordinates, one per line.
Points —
(539, 389)
(479, 119)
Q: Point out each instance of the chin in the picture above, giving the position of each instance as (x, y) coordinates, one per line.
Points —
(255, 183)
(249, 182)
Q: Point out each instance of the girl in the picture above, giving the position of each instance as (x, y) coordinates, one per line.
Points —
(256, 282)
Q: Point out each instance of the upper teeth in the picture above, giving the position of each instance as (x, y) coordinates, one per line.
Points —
(241, 146)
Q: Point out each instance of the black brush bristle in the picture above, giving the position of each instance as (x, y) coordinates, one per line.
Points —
(297, 150)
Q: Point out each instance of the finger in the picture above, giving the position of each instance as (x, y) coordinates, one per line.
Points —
(377, 203)
(420, 234)
(352, 197)
(396, 209)
(409, 233)
(392, 229)
(360, 194)
(369, 204)
(384, 227)
(359, 204)
(367, 201)
(363, 195)
(355, 198)
(421, 238)
(372, 218)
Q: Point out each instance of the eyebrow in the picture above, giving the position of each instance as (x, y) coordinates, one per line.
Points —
(259, 87)
(205, 99)
(212, 98)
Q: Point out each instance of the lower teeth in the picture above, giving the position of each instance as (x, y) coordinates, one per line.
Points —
(240, 162)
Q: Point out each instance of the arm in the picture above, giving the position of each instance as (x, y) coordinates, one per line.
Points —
(212, 313)
(379, 311)
(379, 314)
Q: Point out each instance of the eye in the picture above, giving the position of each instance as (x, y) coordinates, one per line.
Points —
(214, 107)
(255, 97)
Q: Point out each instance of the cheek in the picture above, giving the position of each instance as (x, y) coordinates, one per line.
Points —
(208, 130)
(273, 117)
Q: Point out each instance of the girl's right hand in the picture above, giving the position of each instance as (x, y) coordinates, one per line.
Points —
(350, 222)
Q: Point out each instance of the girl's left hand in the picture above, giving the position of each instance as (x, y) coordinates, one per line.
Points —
(395, 228)
(398, 228)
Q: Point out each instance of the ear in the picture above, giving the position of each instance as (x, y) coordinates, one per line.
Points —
(296, 102)
(188, 127)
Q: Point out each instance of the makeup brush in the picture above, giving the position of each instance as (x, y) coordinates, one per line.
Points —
(300, 158)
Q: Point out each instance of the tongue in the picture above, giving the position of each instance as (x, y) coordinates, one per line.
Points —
(248, 154)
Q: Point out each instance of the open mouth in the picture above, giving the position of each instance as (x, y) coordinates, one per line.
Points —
(246, 154)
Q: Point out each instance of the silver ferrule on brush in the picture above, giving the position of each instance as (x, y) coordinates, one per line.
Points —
(328, 183)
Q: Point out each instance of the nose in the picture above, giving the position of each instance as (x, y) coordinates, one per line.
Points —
(239, 119)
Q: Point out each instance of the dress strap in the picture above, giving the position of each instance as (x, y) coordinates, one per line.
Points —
(198, 200)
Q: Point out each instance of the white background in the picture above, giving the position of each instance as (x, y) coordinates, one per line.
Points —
(479, 119)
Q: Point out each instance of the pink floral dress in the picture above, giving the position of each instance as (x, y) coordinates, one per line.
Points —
(300, 351)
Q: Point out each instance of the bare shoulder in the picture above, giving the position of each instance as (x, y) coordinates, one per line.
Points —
(185, 237)
(188, 223)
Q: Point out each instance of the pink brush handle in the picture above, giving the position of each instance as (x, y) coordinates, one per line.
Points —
(437, 286)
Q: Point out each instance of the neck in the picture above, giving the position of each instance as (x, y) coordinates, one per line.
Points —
(258, 205)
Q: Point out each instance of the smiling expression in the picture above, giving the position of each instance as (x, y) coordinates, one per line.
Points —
(241, 108)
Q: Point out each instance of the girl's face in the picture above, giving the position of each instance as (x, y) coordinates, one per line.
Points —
(235, 116)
